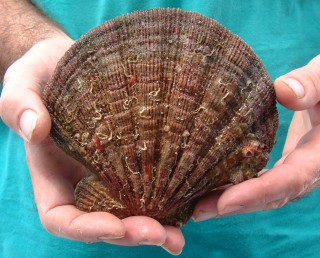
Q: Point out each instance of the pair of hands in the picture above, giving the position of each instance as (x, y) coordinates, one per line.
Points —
(54, 175)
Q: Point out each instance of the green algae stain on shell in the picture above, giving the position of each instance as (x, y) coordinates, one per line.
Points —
(161, 106)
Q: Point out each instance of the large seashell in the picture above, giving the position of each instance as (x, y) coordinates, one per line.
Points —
(162, 106)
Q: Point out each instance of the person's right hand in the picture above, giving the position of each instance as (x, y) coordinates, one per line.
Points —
(54, 174)
(297, 172)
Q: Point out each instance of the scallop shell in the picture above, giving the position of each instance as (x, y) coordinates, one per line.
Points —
(162, 106)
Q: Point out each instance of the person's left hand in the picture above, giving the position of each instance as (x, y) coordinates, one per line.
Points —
(298, 171)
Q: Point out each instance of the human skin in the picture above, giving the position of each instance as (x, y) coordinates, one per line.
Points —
(28, 66)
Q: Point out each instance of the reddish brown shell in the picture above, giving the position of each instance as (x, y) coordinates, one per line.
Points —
(162, 106)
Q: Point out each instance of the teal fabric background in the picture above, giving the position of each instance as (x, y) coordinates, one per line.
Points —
(286, 35)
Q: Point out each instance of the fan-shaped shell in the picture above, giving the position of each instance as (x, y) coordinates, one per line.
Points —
(162, 106)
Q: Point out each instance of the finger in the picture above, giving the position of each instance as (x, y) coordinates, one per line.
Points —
(175, 241)
(53, 184)
(277, 203)
(206, 208)
(21, 107)
(54, 175)
(278, 186)
(68, 222)
(300, 88)
(141, 230)
(299, 126)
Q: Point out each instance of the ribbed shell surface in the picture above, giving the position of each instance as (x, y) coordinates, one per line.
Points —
(162, 106)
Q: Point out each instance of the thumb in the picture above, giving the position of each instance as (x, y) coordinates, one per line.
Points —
(21, 107)
(300, 88)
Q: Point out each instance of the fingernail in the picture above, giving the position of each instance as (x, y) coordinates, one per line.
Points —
(150, 243)
(204, 215)
(231, 209)
(146, 243)
(28, 122)
(296, 87)
(172, 252)
(105, 238)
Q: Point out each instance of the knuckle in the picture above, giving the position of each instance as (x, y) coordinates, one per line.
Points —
(28, 157)
(50, 226)
(46, 223)
(276, 204)
(265, 184)
(10, 73)
(303, 185)
(314, 76)
(7, 76)
(307, 186)
(7, 100)
(315, 61)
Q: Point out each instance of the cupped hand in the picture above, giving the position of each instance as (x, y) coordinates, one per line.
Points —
(54, 174)
(298, 171)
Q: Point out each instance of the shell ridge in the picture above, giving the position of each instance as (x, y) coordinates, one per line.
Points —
(165, 87)
(159, 179)
(131, 161)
